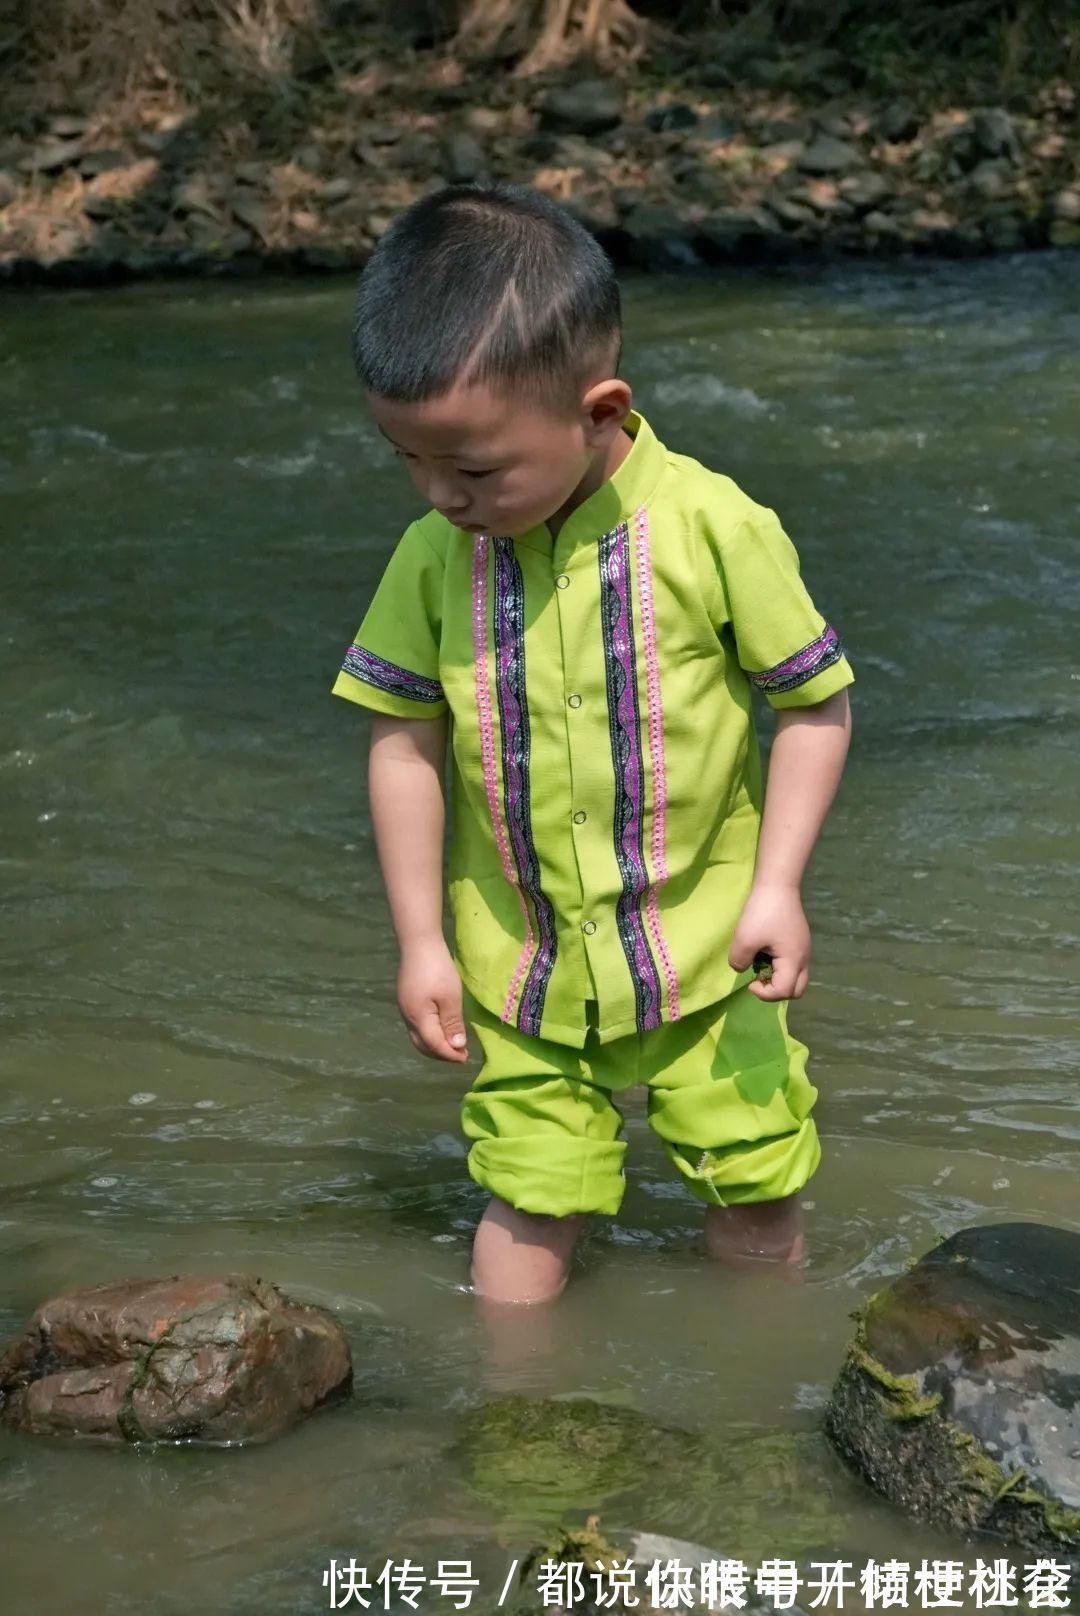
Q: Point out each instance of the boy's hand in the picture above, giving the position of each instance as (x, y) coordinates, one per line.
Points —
(429, 998)
(773, 919)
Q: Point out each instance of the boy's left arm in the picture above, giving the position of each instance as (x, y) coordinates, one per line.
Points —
(805, 765)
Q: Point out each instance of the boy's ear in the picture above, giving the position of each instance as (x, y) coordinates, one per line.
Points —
(608, 403)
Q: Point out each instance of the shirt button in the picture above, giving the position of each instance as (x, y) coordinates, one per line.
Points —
(589, 927)
(562, 580)
(574, 700)
(580, 817)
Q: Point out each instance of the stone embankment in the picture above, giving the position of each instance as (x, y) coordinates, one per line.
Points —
(697, 172)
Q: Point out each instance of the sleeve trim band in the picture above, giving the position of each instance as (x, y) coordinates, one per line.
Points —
(388, 676)
(803, 665)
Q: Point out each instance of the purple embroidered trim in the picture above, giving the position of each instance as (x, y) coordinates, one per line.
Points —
(805, 664)
(617, 626)
(376, 670)
(509, 590)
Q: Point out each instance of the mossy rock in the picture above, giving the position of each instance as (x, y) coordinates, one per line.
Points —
(539, 1458)
(959, 1399)
(783, 1493)
(536, 1462)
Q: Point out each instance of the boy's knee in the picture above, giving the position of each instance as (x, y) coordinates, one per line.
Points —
(522, 1256)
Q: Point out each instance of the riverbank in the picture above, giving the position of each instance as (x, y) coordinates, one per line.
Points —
(706, 154)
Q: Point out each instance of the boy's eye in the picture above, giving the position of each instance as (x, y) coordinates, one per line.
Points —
(402, 454)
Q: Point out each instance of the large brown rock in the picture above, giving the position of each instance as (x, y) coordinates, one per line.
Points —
(204, 1360)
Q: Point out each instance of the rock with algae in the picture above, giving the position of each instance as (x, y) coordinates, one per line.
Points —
(959, 1399)
(552, 1454)
(534, 1462)
(203, 1360)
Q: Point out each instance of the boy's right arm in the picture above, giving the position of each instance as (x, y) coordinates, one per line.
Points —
(405, 786)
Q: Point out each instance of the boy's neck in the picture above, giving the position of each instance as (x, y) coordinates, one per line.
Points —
(594, 478)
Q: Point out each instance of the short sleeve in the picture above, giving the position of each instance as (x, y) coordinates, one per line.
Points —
(785, 647)
(393, 663)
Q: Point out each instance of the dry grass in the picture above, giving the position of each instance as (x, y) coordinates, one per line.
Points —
(104, 51)
(210, 49)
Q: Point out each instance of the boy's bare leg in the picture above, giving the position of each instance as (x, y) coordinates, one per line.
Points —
(763, 1232)
(521, 1256)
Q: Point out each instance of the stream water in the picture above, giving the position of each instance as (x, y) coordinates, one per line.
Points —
(201, 1065)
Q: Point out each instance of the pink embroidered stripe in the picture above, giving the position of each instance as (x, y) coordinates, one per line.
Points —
(487, 754)
(656, 753)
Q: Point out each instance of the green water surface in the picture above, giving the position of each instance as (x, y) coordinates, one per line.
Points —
(201, 1065)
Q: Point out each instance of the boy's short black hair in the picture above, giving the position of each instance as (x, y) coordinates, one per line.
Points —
(487, 283)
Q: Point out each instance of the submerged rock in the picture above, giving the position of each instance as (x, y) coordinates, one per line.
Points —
(960, 1396)
(536, 1462)
(547, 1455)
(212, 1361)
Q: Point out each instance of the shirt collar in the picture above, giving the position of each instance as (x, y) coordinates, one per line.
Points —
(630, 485)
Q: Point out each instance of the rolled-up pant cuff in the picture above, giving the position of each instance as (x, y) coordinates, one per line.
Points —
(767, 1170)
(578, 1175)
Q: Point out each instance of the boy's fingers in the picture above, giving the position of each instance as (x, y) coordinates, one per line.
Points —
(454, 1029)
(415, 1038)
(425, 1029)
(453, 1023)
(785, 979)
(760, 986)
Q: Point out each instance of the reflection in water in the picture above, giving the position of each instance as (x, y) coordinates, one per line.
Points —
(203, 1068)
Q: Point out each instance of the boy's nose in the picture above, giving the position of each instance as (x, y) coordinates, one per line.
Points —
(447, 504)
(450, 507)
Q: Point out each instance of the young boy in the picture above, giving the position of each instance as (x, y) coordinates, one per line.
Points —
(592, 610)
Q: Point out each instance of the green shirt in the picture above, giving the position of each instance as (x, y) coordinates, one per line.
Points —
(606, 783)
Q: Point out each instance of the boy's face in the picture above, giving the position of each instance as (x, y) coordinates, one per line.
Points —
(493, 465)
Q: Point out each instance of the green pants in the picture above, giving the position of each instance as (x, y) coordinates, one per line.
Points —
(727, 1094)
